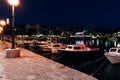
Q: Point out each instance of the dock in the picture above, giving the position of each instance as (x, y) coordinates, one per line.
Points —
(31, 66)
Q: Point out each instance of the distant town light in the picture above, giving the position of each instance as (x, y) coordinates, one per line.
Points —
(7, 21)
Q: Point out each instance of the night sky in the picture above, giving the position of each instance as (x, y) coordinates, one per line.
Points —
(105, 13)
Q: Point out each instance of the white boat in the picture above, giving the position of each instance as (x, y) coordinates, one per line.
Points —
(113, 55)
(79, 51)
(44, 48)
(79, 48)
(55, 47)
(52, 48)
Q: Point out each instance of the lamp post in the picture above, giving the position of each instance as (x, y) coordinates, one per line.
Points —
(13, 3)
(13, 52)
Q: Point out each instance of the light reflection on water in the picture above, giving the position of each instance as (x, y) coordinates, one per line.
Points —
(102, 44)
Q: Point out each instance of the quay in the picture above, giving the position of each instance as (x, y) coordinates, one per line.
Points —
(31, 66)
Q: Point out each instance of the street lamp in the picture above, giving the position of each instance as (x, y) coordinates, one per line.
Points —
(13, 3)
(13, 52)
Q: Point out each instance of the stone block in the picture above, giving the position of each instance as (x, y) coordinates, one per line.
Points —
(12, 53)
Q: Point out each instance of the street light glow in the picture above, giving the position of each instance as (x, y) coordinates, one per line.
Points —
(13, 2)
(2, 23)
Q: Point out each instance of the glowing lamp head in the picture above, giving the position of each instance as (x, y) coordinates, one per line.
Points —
(13, 2)
(2, 23)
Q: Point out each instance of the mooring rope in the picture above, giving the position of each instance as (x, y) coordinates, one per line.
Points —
(99, 67)
(95, 60)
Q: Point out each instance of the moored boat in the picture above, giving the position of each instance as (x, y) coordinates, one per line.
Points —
(80, 51)
(113, 55)
(52, 47)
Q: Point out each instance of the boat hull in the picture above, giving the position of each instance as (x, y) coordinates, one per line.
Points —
(113, 59)
(50, 50)
(83, 56)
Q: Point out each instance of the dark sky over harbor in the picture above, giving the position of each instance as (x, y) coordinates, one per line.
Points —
(104, 13)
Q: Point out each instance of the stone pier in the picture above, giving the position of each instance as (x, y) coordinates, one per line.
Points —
(30, 66)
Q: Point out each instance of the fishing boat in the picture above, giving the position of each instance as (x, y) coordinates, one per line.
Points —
(113, 55)
(80, 51)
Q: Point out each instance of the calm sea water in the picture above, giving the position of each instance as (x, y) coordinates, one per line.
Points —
(101, 68)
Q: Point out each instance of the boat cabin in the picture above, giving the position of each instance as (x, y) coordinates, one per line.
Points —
(115, 50)
(77, 47)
